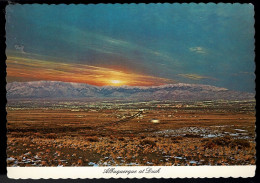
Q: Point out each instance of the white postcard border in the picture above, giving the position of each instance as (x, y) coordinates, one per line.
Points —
(131, 172)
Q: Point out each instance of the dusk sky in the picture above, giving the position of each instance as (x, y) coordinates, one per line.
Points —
(140, 45)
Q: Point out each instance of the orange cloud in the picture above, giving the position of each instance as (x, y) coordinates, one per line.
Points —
(24, 69)
(195, 76)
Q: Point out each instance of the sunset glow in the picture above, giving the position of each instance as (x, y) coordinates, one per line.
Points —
(116, 82)
(24, 69)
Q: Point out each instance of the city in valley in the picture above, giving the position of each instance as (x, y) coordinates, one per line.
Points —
(130, 133)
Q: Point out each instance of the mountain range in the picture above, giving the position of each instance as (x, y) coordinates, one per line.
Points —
(180, 91)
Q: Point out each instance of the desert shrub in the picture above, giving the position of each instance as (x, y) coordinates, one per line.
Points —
(251, 134)
(205, 140)
(241, 143)
(93, 139)
(51, 135)
(148, 142)
(176, 138)
(210, 145)
(37, 134)
(227, 141)
(190, 135)
(121, 139)
(143, 136)
(17, 134)
(175, 141)
(222, 141)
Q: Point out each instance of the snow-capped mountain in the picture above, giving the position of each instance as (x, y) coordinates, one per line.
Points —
(180, 91)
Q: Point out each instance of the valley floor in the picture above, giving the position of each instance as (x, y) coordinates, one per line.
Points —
(78, 133)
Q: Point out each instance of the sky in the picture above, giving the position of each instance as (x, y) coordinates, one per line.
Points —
(136, 44)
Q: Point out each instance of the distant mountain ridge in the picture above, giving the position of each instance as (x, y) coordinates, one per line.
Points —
(180, 91)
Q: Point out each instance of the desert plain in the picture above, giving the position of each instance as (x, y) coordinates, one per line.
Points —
(127, 133)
